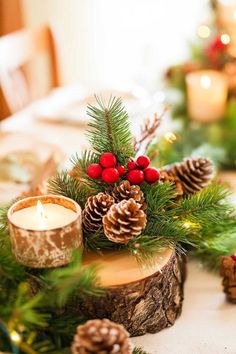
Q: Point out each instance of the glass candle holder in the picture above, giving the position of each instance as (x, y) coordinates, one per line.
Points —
(44, 230)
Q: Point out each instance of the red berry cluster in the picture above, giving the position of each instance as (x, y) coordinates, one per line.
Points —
(109, 171)
(139, 171)
(233, 257)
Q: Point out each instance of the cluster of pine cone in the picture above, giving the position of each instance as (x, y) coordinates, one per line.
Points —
(122, 214)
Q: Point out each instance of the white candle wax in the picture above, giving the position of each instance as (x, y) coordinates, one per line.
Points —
(52, 216)
(207, 94)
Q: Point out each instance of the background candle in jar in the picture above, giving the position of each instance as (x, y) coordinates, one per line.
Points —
(207, 92)
(43, 217)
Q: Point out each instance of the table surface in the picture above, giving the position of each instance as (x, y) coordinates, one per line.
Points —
(207, 324)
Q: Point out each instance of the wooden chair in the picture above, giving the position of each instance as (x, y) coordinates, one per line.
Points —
(17, 52)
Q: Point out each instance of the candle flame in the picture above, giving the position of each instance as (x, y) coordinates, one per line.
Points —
(41, 214)
(205, 81)
(40, 209)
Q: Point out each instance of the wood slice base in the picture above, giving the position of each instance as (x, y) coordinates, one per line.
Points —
(143, 300)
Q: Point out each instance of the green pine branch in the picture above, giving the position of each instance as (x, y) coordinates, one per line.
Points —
(209, 205)
(109, 129)
(73, 280)
(72, 187)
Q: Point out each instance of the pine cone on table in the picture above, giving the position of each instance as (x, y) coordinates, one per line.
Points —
(95, 208)
(126, 191)
(194, 174)
(167, 176)
(124, 221)
(228, 272)
(101, 337)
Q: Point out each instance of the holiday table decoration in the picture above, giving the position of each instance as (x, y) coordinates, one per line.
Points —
(202, 92)
(228, 272)
(138, 220)
(45, 230)
(145, 211)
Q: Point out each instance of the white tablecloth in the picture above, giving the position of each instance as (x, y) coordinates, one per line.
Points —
(207, 324)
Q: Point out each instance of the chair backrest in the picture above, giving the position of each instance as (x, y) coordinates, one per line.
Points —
(17, 51)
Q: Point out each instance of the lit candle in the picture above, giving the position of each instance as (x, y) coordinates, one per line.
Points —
(207, 94)
(45, 230)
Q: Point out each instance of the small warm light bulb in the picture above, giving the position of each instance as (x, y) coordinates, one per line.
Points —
(170, 137)
(225, 38)
(189, 224)
(205, 81)
(15, 337)
(203, 31)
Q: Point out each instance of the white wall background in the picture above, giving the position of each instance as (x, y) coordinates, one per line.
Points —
(119, 43)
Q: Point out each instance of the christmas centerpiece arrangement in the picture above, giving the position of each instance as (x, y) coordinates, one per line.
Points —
(108, 243)
(202, 91)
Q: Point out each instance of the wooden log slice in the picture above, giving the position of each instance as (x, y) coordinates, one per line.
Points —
(144, 300)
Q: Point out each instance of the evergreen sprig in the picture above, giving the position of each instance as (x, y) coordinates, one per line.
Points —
(109, 129)
(72, 187)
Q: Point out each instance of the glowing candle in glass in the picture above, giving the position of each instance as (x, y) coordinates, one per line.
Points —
(207, 92)
(45, 230)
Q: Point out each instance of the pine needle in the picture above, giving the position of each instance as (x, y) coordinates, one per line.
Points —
(109, 129)
(139, 350)
(64, 184)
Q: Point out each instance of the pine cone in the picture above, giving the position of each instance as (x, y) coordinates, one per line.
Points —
(126, 191)
(167, 176)
(228, 271)
(95, 208)
(101, 337)
(194, 174)
(124, 221)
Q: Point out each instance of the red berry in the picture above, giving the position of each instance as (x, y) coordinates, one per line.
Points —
(110, 175)
(135, 176)
(143, 161)
(131, 165)
(94, 170)
(121, 170)
(151, 175)
(108, 160)
(233, 257)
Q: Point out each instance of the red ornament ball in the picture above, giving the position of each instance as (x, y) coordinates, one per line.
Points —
(131, 165)
(151, 175)
(121, 170)
(135, 176)
(94, 170)
(110, 175)
(233, 257)
(108, 160)
(143, 161)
